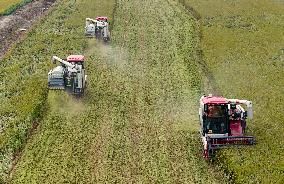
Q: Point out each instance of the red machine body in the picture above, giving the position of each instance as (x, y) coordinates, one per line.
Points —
(101, 18)
(76, 58)
(223, 123)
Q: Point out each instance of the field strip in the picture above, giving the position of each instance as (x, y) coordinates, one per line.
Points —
(23, 89)
(209, 82)
(63, 136)
(243, 49)
(137, 122)
(146, 135)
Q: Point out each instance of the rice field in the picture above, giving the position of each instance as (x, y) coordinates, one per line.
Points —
(5, 4)
(138, 122)
(9, 6)
(242, 44)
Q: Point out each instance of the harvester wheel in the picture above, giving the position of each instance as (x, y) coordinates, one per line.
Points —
(206, 154)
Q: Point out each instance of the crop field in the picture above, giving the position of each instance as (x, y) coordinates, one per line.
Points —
(9, 6)
(5, 4)
(23, 97)
(137, 122)
(119, 132)
(243, 48)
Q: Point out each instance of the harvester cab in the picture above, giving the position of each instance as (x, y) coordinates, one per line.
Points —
(101, 22)
(223, 123)
(69, 76)
(98, 28)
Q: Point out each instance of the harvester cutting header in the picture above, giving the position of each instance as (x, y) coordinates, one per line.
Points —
(223, 123)
(98, 28)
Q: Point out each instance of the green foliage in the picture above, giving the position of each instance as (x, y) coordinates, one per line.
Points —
(14, 7)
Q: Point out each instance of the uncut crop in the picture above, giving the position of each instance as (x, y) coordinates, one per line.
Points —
(137, 122)
(5, 4)
(23, 90)
(243, 48)
(9, 6)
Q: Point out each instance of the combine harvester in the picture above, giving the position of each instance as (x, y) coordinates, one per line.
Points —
(223, 123)
(70, 76)
(98, 28)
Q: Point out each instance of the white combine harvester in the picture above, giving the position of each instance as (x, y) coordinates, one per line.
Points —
(69, 76)
(98, 28)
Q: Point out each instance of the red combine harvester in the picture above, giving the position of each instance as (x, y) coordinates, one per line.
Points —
(223, 123)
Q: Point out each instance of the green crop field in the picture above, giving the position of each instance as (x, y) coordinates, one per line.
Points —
(5, 4)
(138, 122)
(9, 6)
(243, 48)
(23, 92)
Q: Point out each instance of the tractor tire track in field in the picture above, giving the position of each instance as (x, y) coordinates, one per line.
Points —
(210, 83)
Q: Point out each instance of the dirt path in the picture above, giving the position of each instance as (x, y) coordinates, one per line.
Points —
(13, 27)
